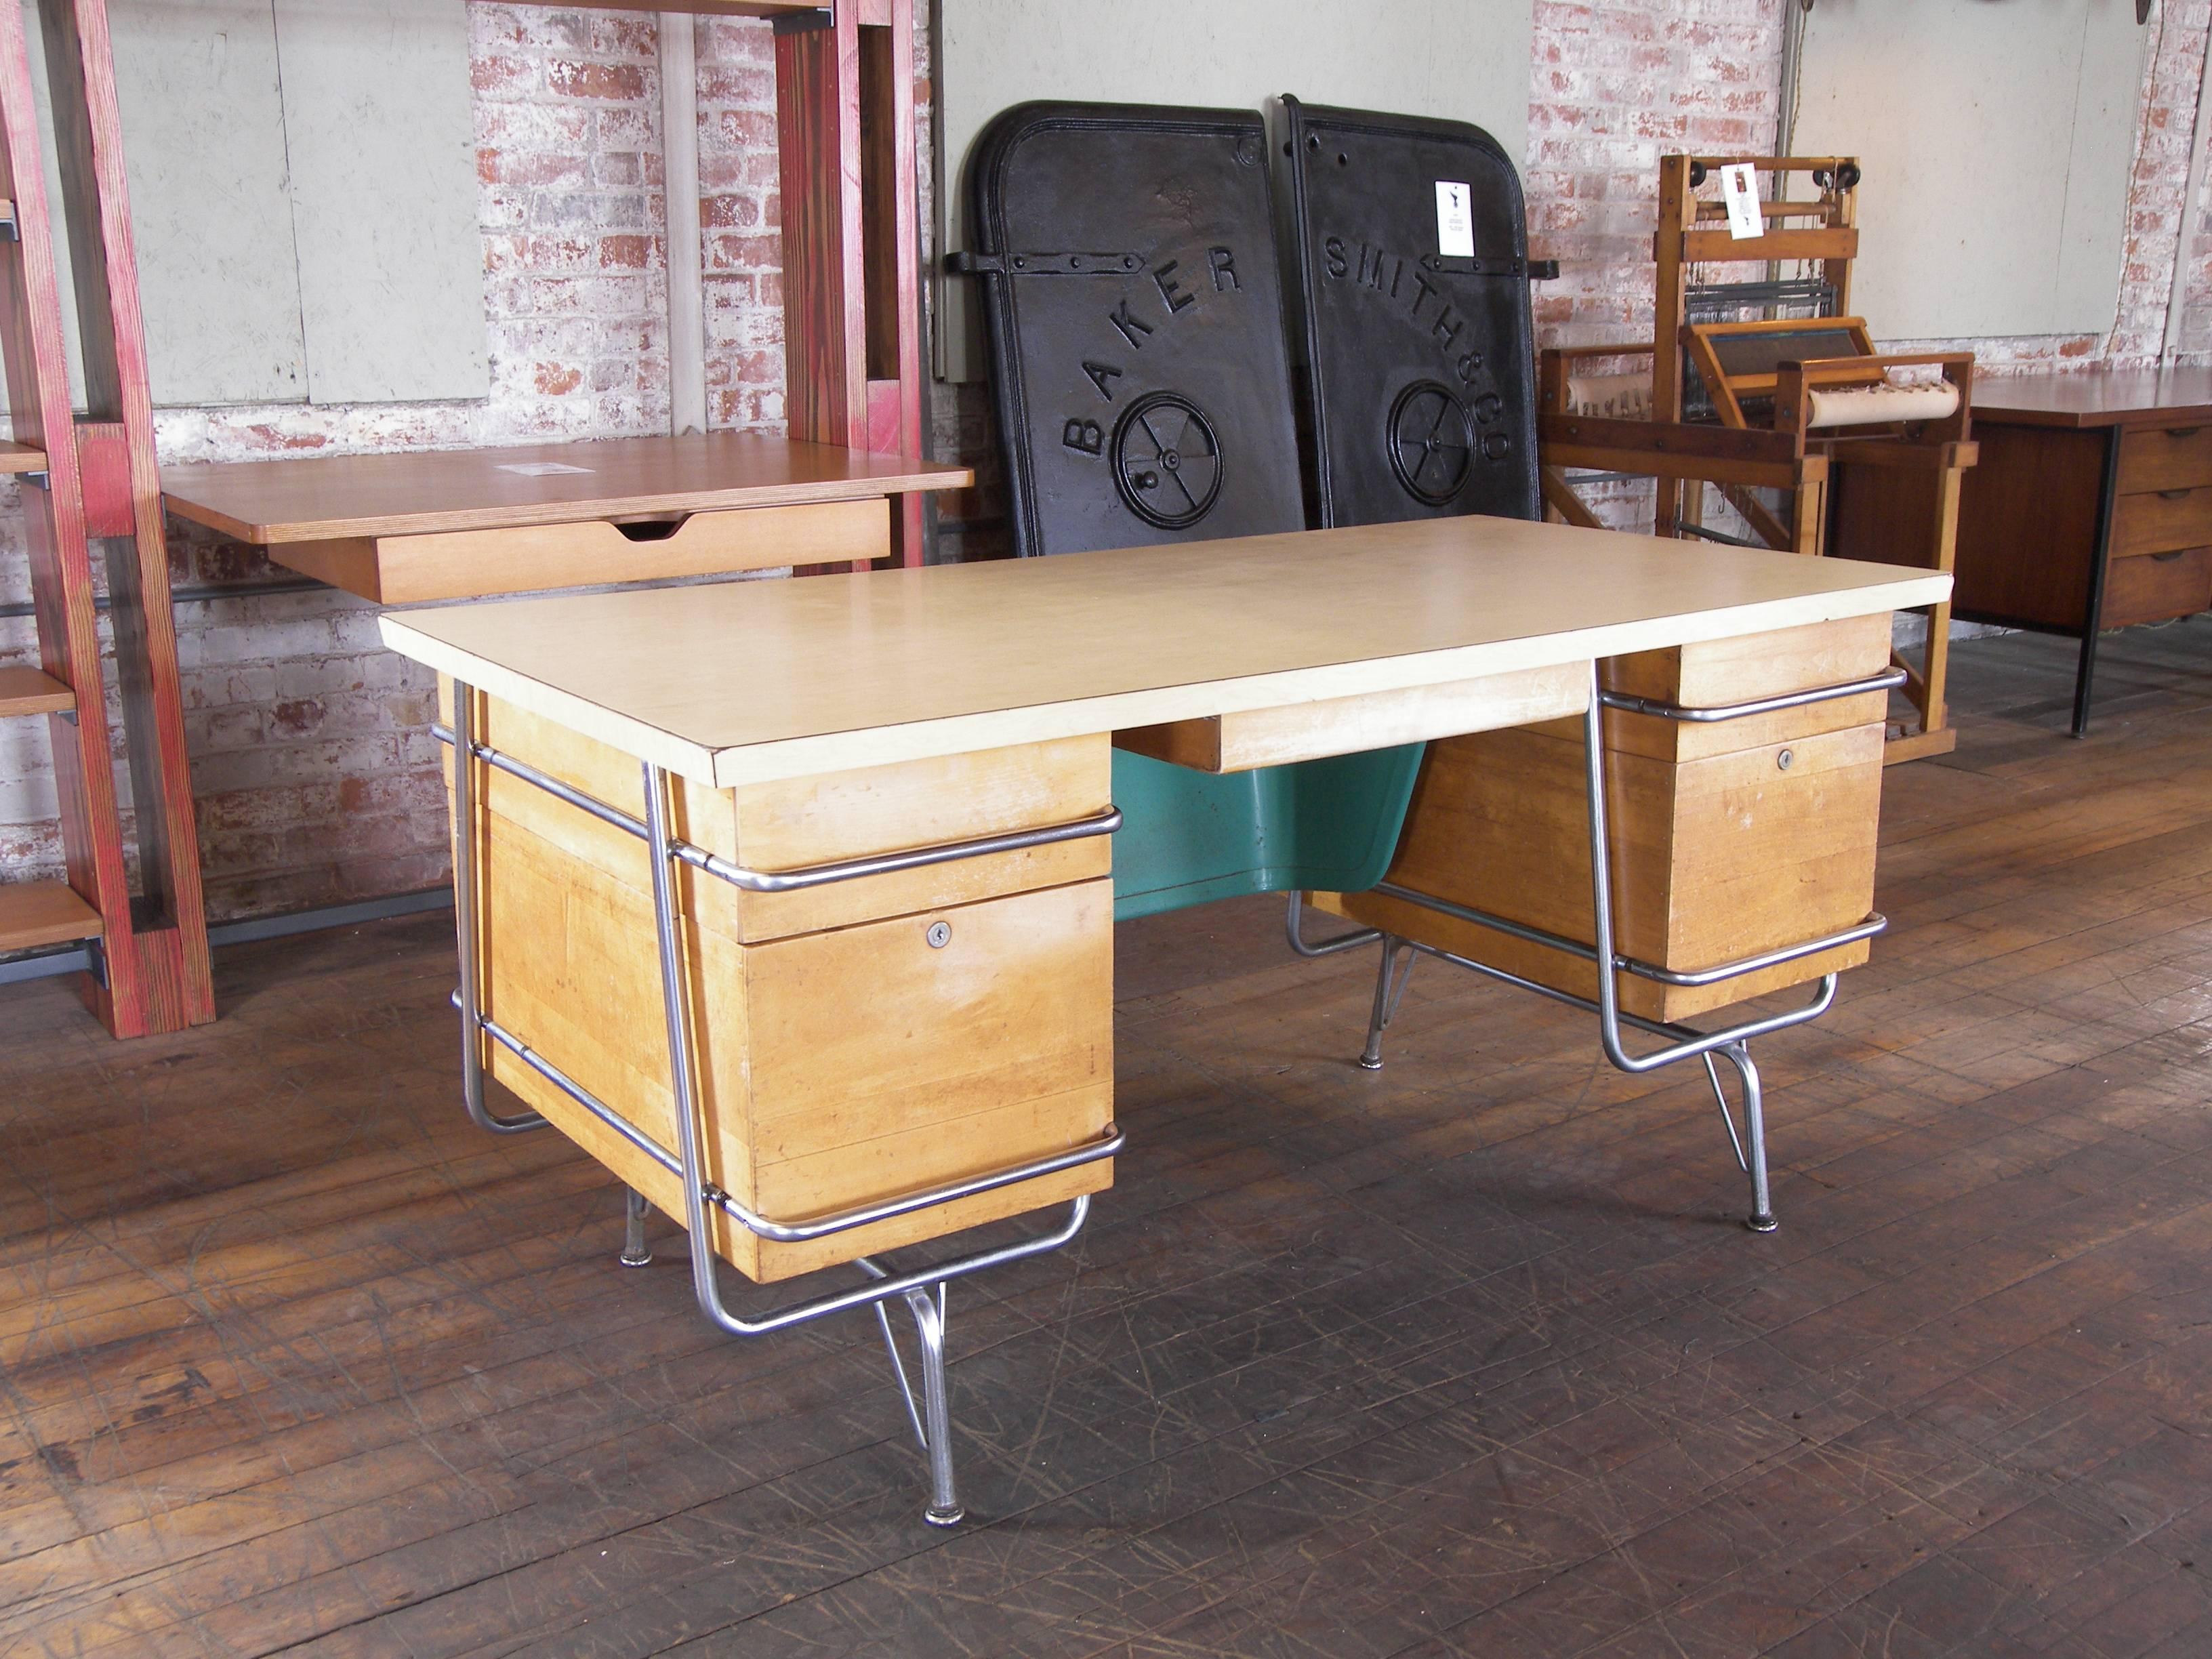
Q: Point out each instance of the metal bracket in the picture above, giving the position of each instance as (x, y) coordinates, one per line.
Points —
(1043, 264)
(1460, 264)
(1543, 270)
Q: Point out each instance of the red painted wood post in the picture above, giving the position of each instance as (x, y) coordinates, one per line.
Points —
(102, 481)
(852, 244)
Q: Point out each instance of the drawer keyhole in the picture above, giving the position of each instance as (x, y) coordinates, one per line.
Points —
(939, 935)
(1783, 760)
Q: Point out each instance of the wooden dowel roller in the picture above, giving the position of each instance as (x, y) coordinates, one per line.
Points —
(1872, 405)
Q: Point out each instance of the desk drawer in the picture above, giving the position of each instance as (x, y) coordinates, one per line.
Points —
(2162, 521)
(2157, 458)
(462, 564)
(2158, 587)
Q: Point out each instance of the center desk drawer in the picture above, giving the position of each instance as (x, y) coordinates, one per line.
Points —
(887, 1036)
(459, 564)
(1730, 839)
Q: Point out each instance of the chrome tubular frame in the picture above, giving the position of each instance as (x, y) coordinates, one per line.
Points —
(922, 1289)
(1684, 1043)
(1294, 931)
(465, 921)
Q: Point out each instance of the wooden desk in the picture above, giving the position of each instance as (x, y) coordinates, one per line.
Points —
(855, 991)
(474, 523)
(2091, 508)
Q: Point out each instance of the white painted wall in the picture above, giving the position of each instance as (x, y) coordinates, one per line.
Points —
(1997, 138)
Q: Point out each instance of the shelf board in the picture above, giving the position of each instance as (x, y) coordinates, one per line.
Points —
(28, 692)
(20, 457)
(33, 913)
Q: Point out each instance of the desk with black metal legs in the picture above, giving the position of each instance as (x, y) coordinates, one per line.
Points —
(790, 903)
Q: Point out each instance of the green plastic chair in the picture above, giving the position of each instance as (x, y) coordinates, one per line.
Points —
(1190, 837)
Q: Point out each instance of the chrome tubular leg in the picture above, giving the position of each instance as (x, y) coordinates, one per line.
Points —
(634, 1211)
(928, 1313)
(1753, 1154)
(464, 921)
(1391, 983)
(1752, 1151)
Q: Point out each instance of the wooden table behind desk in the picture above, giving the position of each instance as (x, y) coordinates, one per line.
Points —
(476, 523)
(2091, 508)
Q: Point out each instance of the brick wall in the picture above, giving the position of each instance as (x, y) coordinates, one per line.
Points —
(317, 780)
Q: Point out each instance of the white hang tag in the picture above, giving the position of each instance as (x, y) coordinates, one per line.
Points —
(1740, 190)
(1455, 220)
(539, 468)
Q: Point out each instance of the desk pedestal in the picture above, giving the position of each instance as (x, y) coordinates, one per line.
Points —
(1730, 840)
(854, 1041)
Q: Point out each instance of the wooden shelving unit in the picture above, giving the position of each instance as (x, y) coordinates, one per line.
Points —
(92, 476)
(852, 237)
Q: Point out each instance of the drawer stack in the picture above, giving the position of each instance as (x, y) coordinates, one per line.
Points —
(2161, 546)
(858, 1041)
(1729, 841)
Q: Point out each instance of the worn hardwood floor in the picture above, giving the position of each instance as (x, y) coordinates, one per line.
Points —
(1467, 1358)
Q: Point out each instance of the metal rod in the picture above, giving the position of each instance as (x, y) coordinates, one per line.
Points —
(465, 926)
(928, 1313)
(1681, 980)
(1293, 921)
(2093, 604)
(1389, 990)
(635, 1208)
(1889, 680)
(799, 1233)
(1753, 1144)
(818, 875)
(1822, 1001)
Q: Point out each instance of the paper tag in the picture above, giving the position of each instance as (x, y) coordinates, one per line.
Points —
(1739, 189)
(1455, 220)
(539, 468)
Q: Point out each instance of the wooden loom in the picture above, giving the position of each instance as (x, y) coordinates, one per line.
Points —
(1867, 464)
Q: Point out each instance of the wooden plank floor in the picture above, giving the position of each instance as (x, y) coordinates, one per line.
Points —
(1467, 1357)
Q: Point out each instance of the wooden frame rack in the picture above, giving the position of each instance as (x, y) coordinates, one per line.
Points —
(92, 479)
(1884, 490)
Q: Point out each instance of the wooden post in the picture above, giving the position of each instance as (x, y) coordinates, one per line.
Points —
(852, 236)
(101, 483)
